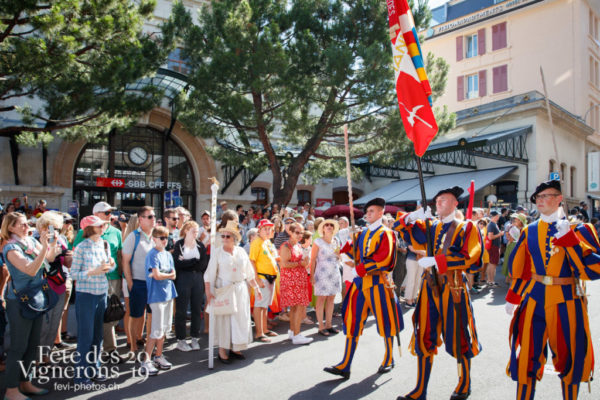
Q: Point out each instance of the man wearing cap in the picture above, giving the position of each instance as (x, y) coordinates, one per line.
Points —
(284, 236)
(546, 266)
(263, 256)
(113, 236)
(374, 254)
(443, 309)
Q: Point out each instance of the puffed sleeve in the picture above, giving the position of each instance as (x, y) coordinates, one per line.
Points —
(210, 276)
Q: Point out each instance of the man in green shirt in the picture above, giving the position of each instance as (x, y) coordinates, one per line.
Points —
(112, 235)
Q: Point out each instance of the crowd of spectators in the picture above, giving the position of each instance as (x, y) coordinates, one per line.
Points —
(280, 262)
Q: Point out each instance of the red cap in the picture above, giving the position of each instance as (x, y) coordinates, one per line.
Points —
(91, 220)
(263, 223)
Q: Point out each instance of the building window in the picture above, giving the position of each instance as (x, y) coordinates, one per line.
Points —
(471, 50)
(572, 177)
(563, 174)
(551, 167)
(472, 86)
(261, 196)
(175, 62)
(499, 36)
(304, 196)
(500, 78)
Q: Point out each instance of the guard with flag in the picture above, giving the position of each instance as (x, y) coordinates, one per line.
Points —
(443, 309)
(374, 253)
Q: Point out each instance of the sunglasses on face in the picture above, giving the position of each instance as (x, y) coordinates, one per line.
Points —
(151, 216)
(225, 236)
(326, 225)
(161, 237)
(106, 212)
(175, 218)
(298, 233)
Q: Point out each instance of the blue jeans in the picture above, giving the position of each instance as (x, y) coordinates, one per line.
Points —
(89, 309)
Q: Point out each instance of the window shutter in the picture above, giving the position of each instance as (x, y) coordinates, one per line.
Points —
(482, 83)
(481, 41)
(460, 88)
(459, 48)
(504, 78)
(499, 36)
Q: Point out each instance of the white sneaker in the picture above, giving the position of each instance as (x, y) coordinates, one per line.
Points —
(162, 363)
(299, 339)
(290, 334)
(195, 344)
(147, 368)
(183, 346)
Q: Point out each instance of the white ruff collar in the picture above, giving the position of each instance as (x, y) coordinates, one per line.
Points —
(375, 225)
(555, 216)
(448, 218)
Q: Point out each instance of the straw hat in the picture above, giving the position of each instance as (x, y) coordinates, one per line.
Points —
(336, 226)
(232, 227)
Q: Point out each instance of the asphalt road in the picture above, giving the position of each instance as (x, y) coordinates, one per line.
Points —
(280, 370)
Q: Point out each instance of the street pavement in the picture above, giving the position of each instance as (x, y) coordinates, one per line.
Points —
(280, 370)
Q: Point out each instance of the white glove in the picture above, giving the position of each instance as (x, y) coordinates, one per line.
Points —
(427, 262)
(562, 228)
(509, 308)
(419, 214)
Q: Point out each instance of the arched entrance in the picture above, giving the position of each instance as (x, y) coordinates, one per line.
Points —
(133, 169)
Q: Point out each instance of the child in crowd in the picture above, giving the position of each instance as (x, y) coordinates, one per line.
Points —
(161, 292)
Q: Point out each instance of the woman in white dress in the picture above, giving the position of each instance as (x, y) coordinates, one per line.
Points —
(325, 273)
(229, 265)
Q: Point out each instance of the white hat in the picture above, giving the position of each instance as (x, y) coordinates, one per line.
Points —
(102, 207)
(232, 227)
(336, 226)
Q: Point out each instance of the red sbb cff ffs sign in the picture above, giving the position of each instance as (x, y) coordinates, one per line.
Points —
(110, 182)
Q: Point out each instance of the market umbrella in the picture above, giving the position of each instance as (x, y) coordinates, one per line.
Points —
(392, 210)
(342, 210)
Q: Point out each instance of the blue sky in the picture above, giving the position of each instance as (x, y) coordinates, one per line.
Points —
(435, 3)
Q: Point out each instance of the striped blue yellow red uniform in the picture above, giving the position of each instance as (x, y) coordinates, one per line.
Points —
(374, 254)
(551, 314)
(436, 316)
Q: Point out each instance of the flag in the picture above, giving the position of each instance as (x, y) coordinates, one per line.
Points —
(412, 86)
(471, 199)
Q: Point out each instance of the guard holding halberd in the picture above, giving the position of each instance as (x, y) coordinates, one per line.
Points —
(374, 253)
(443, 309)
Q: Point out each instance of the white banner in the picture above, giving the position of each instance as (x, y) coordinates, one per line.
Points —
(594, 172)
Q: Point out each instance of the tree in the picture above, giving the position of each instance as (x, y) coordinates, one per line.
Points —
(275, 81)
(65, 66)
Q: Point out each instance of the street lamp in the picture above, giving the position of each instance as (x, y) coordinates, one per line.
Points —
(588, 111)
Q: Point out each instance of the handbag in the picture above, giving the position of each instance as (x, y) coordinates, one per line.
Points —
(488, 243)
(36, 300)
(224, 302)
(114, 309)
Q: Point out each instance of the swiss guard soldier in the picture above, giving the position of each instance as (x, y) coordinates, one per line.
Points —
(374, 254)
(444, 307)
(547, 266)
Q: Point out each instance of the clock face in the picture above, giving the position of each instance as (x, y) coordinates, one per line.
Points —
(138, 155)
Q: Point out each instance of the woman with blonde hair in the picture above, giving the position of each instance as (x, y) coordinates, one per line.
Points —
(191, 260)
(229, 265)
(26, 259)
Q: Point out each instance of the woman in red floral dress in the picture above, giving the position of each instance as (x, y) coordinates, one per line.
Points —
(294, 290)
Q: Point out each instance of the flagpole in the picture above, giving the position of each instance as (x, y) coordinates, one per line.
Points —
(214, 188)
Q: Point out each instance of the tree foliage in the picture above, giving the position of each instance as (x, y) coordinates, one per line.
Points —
(275, 81)
(65, 66)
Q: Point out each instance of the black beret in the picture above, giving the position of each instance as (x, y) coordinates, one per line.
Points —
(377, 201)
(455, 191)
(543, 186)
